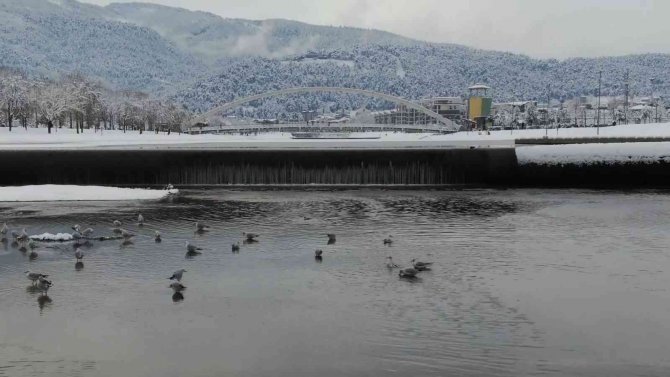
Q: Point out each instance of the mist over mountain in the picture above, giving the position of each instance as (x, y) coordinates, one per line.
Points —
(202, 59)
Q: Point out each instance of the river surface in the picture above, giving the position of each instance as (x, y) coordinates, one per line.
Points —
(525, 282)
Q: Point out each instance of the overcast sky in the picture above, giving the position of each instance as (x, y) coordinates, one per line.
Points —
(541, 28)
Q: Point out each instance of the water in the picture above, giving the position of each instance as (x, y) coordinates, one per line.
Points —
(526, 282)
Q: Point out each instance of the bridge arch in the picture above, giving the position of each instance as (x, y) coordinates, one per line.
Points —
(300, 90)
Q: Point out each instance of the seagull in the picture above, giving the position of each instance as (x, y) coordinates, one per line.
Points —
(126, 234)
(78, 254)
(140, 219)
(23, 236)
(86, 232)
(75, 227)
(407, 273)
(43, 284)
(192, 249)
(177, 275)
(34, 276)
(251, 237)
(4, 231)
(421, 266)
(157, 236)
(389, 240)
(318, 252)
(331, 237)
(390, 263)
(235, 247)
(15, 234)
(200, 227)
(117, 223)
(76, 235)
(177, 286)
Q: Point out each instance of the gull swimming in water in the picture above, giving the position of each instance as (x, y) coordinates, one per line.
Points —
(251, 237)
(157, 236)
(117, 223)
(331, 237)
(140, 219)
(177, 275)
(177, 286)
(192, 249)
(75, 227)
(78, 254)
(3, 231)
(23, 236)
(34, 276)
(318, 253)
(390, 263)
(407, 273)
(200, 227)
(235, 247)
(87, 232)
(389, 240)
(421, 266)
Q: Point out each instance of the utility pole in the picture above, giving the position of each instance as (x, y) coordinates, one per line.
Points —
(600, 79)
(626, 93)
(546, 127)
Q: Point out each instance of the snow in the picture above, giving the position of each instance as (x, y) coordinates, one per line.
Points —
(585, 154)
(59, 237)
(43, 193)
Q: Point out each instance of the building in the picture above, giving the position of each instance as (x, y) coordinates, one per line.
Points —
(451, 108)
(479, 106)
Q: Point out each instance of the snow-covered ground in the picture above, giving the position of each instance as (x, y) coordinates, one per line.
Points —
(68, 139)
(581, 154)
(44, 193)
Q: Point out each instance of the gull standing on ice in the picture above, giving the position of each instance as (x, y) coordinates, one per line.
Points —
(34, 276)
(44, 285)
(177, 275)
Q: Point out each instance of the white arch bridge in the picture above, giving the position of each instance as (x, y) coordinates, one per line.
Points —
(441, 124)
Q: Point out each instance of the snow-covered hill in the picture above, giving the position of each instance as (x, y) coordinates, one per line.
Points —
(203, 59)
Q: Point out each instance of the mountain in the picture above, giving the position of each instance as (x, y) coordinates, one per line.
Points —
(51, 38)
(202, 59)
(211, 37)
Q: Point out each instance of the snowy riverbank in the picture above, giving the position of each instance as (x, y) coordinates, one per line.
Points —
(587, 154)
(44, 193)
(39, 139)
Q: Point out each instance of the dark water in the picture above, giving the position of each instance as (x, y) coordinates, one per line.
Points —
(557, 283)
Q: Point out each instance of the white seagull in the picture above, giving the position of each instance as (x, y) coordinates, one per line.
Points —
(177, 275)
(421, 266)
(390, 263)
(78, 254)
(34, 276)
(140, 219)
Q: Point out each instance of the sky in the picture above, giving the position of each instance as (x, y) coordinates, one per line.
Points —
(539, 28)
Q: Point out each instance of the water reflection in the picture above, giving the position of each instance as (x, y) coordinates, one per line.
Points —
(78, 266)
(177, 297)
(44, 301)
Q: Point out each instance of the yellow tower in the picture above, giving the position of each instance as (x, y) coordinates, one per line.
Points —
(479, 105)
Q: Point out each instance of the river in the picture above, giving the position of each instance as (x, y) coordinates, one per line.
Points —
(524, 282)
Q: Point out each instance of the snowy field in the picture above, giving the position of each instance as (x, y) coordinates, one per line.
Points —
(584, 154)
(67, 139)
(44, 193)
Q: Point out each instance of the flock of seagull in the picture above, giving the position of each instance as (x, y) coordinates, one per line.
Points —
(40, 282)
